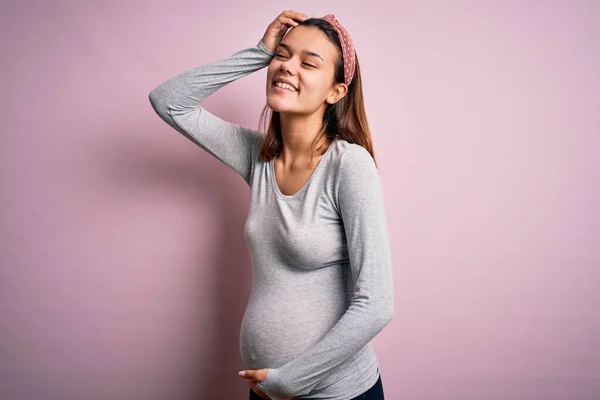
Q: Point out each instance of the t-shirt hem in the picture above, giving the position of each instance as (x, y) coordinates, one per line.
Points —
(368, 386)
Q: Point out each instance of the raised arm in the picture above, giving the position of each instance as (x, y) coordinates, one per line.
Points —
(177, 102)
(360, 203)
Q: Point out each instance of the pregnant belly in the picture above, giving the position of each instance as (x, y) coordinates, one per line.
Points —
(277, 327)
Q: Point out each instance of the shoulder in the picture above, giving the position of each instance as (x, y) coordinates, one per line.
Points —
(351, 159)
(356, 171)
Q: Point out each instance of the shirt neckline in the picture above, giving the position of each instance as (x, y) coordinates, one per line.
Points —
(275, 186)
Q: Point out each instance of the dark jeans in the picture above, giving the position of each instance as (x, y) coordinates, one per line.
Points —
(374, 393)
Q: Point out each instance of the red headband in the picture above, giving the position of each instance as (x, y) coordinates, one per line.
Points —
(347, 47)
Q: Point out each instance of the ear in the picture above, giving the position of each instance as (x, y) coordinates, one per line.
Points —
(338, 92)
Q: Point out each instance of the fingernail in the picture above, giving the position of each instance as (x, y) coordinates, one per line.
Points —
(241, 373)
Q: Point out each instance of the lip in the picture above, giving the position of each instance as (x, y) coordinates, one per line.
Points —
(282, 90)
(283, 80)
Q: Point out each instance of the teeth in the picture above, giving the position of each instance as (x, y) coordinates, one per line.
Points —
(285, 86)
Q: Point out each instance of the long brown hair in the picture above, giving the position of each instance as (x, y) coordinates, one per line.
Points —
(346, 119)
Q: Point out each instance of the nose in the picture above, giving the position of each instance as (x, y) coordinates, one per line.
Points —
(285, 67)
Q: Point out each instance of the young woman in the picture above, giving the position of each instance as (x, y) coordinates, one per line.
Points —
(316, 228)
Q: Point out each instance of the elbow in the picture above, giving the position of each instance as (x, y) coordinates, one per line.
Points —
(390, 314)
(379, 310)
(379, 315)
(154, 99)
(159, 105)
(385, 313)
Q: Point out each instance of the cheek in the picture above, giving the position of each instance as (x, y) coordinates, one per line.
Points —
(314, 88)
(272, 70)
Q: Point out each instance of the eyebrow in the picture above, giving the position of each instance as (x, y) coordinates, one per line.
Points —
(310, 53)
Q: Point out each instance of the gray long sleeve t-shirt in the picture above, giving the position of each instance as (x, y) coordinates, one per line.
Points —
(322, 284)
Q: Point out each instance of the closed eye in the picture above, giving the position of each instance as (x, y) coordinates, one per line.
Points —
(304, 63)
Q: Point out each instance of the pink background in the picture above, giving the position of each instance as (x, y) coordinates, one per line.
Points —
(124, 271)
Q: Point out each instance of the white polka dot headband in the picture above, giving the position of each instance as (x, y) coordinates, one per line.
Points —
(347, 47)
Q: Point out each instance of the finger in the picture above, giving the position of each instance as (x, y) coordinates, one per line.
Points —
(288, 21)
(299, 17)
(262, 393)
(250, 374)
(247, 374)
(295, 14)
(259, 392)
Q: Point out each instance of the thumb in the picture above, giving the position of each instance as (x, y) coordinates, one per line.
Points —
(248, 374)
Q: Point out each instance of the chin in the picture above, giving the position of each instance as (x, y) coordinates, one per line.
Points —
(278, 104)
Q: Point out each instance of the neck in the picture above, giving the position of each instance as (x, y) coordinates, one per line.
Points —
(298, 133)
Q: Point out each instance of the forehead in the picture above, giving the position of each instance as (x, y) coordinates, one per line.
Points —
(311, 39)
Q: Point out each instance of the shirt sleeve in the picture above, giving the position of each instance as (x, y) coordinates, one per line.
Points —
(177, 102)
(360, 203)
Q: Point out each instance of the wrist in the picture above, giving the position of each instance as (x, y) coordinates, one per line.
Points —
(262, 45)
(273, 385)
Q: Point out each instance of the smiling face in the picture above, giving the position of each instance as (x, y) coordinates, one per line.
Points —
(305, 59)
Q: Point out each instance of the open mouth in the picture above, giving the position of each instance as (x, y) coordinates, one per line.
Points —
(281, 87)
